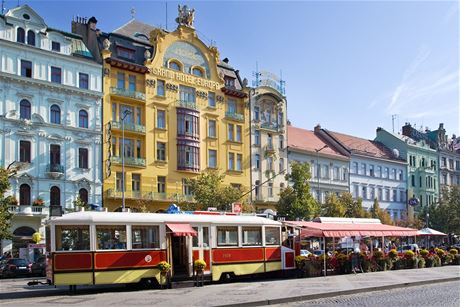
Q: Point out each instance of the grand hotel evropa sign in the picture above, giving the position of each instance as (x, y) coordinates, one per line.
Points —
(164, 73)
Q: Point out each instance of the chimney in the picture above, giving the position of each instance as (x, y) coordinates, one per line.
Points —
(226, 60)
(407, 129)
(317, 128)
(92, 22)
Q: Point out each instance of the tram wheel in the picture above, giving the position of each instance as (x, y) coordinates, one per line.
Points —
(227, 277)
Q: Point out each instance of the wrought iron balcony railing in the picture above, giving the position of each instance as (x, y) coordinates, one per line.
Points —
(125, 93)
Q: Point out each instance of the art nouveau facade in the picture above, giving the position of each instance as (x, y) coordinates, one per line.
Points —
(183, 111)
(50, 106)
(269, 158)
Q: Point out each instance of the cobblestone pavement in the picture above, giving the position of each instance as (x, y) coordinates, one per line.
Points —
(444, 294)
(15, 292)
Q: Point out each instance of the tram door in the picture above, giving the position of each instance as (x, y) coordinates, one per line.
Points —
(179, 255)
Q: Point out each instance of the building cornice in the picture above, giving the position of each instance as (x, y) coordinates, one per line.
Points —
(48, 53)
(54, 87)
(320, 154)
(18, 123)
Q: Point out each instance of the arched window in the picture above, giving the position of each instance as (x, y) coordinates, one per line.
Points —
(83, 195)
(197, 72)
(24, 195)
(31, 38)
(20, 35)
(24, 109)
(24, 231)
(55, 196)
(55, 115)
(175, 66)
(83, 119)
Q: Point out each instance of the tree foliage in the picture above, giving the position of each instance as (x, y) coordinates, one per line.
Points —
(209, 191)
(378, 213)
(296, 202)
(353, 208)
(5, 215)
(444, 216)
(332, 207)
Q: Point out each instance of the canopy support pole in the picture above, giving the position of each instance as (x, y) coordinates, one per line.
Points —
(325, 255)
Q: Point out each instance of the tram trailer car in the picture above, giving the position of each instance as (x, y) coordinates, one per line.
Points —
(90, 248)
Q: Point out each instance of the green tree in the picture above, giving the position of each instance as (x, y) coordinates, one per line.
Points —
(333, 207)
(5, 215)
(444, 216)
(378, 213)
(353, 208)
(296, 201)
(209, 191)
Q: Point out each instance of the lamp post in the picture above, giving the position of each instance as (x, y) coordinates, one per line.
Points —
(123, 117)
(317, 168)
(427, 226)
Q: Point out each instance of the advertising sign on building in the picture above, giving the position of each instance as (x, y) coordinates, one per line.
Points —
(237, 208)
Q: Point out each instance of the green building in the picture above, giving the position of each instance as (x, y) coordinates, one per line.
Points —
(422, 163)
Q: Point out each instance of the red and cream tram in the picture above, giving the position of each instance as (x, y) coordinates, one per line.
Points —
(123, 247)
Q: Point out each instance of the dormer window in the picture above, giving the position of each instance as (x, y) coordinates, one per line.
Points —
(174, 66)
(141, 35)
(229, 82)
(197, 71)
(20, 35)
(56, 46)
(125, 53)
(31, 38)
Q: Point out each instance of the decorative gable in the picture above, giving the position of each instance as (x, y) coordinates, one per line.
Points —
(27, 14)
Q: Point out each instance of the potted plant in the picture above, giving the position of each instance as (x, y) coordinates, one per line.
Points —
(38, 201)
(164, 268)
(199, 265)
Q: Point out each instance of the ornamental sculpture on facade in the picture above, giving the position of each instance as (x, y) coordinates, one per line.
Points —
(186, 16)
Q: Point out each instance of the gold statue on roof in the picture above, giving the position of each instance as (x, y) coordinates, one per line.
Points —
(186, 16)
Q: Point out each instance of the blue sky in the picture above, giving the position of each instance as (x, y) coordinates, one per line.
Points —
(347, 65)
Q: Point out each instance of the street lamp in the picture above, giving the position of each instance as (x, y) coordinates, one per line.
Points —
(317, 168)
(123, 117)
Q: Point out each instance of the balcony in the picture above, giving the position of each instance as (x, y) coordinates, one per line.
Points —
(186, 104)
(29, 210)
(270, 126)
(234, 116)
(153, 196)
(128, 127)
(55, 170)
(129, 94)
(130, 161)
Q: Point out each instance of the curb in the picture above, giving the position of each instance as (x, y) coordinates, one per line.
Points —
(310, 297)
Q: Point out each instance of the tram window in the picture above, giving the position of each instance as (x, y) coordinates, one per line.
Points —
(195, 238)
(145, 237)
(205, 236)
(272, 236)
(111, 236)
(72, 237)
(227, 236)
(252, 235)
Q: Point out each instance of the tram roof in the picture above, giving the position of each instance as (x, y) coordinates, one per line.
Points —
(84, 217)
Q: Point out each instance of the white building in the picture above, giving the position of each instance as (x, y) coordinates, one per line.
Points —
(376, 172)
(50, 120)
(328, 167)
(268, 145)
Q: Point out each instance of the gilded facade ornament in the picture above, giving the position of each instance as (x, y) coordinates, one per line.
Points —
(186, 16)
(147, 55)
(215, 52)
(156, 36)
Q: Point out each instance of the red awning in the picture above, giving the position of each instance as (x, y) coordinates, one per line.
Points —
(338, 230)
(181, 230)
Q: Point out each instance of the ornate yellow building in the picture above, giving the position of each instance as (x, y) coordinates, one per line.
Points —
(184, 111)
